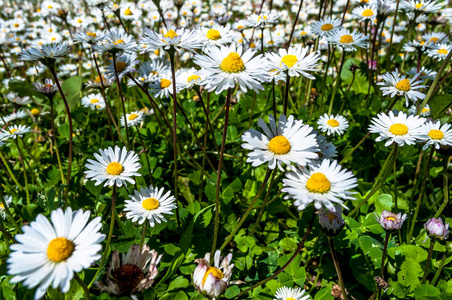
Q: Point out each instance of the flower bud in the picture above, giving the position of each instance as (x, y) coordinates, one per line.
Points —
(391, 222)
(436, 229)
(331, 221)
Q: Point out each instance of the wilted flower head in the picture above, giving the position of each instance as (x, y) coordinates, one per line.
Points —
(47, 88)
(129, 276)
(436, 229)
(391, 222)
(331, 221)
(213, 280)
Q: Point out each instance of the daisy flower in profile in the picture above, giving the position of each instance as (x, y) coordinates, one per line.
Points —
(225, 67)
(94, 102)
(172, 39)
(424, 113)
(346, 40)
(285, 293)
(47, 88)
(331, 221)
(263, 20)
(290, 141)
(15, 99)
(49, 252)
(421, 6)
(216, 36)
(401, 129)
(134, 118)
(149, 204)
(426, 74)
(114, 166)
(213, 280)
(14, 131)
(327, 150)
(326, 26)
(117, 42)
(296, 61)
(332, 124)
(124, 64)
(90, 37)
(8, 200)
(323, 184)
(162, 85)
(435, 134)
(131, 273)
(365, 13)
(394, 84)
(440, 52)
(47, 54)
(188, 79)
(435, 37)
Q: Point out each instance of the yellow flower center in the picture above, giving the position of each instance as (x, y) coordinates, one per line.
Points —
(50, 7)
(79, 21)
(332, 123)
(398, 129)
(403, 85)
(128, 12)
(2, 206)
(390, 218)
(279, 145)
(35, 111)
(442, 51)
(120, 41)
(434, 39)
(94, 101)
(331, 217)
(318, 183)
(60, 249)
(367, 13)
(424, 110)
(170, 34)
(13, 131)
(232, 63)
(290, 298)
(327, 27)
(120, 66)
(164, 83)
(150, 204)
(435, 134)
(114, 168)
(213, 34)
(214, 271)
(289, 60)
(97, 80)
(91, 34)
(193, 78)
(346, 39)
(16, 25)
(132, 117)
(419, 5)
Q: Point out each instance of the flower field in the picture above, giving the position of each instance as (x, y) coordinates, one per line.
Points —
(274, 149)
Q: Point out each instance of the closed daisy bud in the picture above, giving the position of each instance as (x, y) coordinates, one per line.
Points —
(391, 222)
(213, 280)
(331, 221)
(436, 229)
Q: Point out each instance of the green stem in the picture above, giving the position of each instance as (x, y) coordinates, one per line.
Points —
(121, 99)
(220, 166)
(22, 159)
(5, 163)
(145, 151)
(383, 257)
(338, 268)
(248, 211)
(445, 188)
(145, 225)
(440, 268)
(286, 96)
(429, 258)
(83, 285)
(8, 212)
(261, 212)
(395, 174)
(110, 233)
(338, 80)
(54, 137)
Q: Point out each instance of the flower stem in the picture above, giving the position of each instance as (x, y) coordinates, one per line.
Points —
(145, 151)
(8, 212)
(338, 268)
(383, 257)
(294, 25)
(110, 233)
(264, 204)
(145, 226)
(286, 96)
(395, 174)
(338, 80)
(445, 188)
(248, 211)
(220, 166)
(83, 285)
(121, 99)
(22, 159)
(429, 258)
(440, 268)
(297, 251)
(54, 137)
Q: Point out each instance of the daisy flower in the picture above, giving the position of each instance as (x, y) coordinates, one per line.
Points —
(422, 6)
(47, 88)
(172, 39)
(331, 221)
(435, 37)
(189, 78)
(20, 114)
(295, 61)
(391, 222)
(47, 54)
(90, 37)
(323, 184)
(132, 273)
(213, 280)
(227, 66)
(426, 74)
(114, 166)
(148, 71)
(8, 200)
(365, 13)
(327, 150)
(285, 293)
(149, 204)
(263, 20)
(394, 84)
(435, 134)
(424, 113)
(94, 102)
(326, 26)
(134, 118)
(288, 142)
(346, 40)
(48, 253)
(162, 85)
(129, 11)
(440, 52)
(117, 41)
(14, 131)
(124, 64)
(15, 99)
(332, 124)
(216, 36)
(401, 129)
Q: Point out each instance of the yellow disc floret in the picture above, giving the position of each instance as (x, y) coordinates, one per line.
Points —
(367, 13)
(13, 131)
(279, 145)
(60, 249)
(346, 39)
(332, 123)
(132, 117)
(403, 85)
(91, 34)
(436, 134)
(214, 271)
(398, 129)
(170, 34)
(193, 78)
(120, 41)
(114, 168)
(289, 60)
(232, 63)
(442, 51)
(93, 101)
(35, 111)
(318, 183)
(390, 219)
(128, 12)
(164, 83)
(150, 204)
(213, 34)
(120, 66)
(327, 27)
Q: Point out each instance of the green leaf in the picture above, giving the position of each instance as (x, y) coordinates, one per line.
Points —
(324, 294)
(384, 202)
(232, 291)
(71, 89)
(181, 296)
(170, 249)
(426, 290)
(439, 104)
(178, 283)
